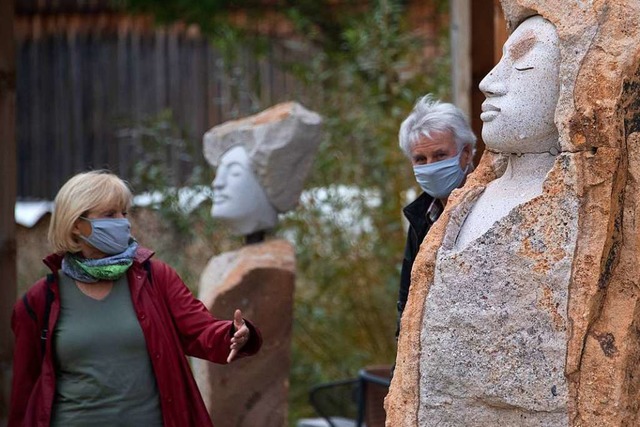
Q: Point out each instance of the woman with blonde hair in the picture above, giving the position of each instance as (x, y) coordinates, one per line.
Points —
(102, 340)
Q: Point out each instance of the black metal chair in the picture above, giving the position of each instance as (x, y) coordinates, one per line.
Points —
(356, 402)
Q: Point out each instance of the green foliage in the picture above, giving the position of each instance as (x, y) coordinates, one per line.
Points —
(345, 315)
(363, 71)
(167, 161)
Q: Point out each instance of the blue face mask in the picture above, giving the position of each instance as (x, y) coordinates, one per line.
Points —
(439, 179)
(108, 235)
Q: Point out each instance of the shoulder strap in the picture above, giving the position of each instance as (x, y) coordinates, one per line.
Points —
(47, 311)
(44, 321)
(28, 307)
(147, 267)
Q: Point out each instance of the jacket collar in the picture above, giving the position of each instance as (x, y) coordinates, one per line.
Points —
(416, 211)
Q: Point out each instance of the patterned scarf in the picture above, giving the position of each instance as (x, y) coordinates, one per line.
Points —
(94, 270)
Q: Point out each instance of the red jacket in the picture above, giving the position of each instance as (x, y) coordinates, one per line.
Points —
(173, 322)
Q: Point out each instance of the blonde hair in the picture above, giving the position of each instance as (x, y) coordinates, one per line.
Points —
(79, 195)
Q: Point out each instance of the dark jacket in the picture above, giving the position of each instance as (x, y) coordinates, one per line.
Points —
(173, 322)
(419, 224)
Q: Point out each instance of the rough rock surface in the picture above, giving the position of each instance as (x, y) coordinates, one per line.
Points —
(259, 280)
(571, 290)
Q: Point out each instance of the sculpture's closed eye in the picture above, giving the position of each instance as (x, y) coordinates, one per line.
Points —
(523, 68)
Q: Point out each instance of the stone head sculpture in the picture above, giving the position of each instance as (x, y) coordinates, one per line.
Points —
(262, 162)
(522, 92)
(518, 118)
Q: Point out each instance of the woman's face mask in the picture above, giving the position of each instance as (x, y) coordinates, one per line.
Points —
(439, 179)
(108, 235)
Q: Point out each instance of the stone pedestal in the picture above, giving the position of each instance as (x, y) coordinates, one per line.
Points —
(537, 321)
(259, 280)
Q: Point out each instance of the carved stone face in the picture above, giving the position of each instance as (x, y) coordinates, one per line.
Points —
(238, 197)
(522, 91)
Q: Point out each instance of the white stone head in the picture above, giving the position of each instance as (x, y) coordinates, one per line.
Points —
(522, 92)
(238, 197)
(262, 162)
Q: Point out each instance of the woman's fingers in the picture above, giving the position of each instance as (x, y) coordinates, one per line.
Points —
(232, 355)
(240, 337)
(238, 321)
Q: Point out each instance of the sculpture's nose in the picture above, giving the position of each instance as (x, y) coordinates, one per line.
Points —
(219, 181)
(494, 83)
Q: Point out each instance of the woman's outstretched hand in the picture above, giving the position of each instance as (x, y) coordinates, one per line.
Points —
(240, 337)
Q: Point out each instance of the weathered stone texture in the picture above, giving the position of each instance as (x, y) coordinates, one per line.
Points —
(259, 280)
(583, 298)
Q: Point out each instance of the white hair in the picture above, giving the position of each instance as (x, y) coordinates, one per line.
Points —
(428, 116)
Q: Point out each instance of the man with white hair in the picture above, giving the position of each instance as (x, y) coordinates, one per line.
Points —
(437, 139)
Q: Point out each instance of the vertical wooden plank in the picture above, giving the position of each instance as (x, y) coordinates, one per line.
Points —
(58, 160)
(175, 74)
(94, 91)
(214, 73)
(203, 99)
(482, 60)
(245, 83)
(136, 113)
(84, 86)
(111, 120)
(182, 111)
(44, 144)
(273, 74)
(500, 31)
(8, 283)
(264, 77)
(124, 92)
(195, 89)
(294, 87)
(23, 119)
(210, 87)
(33, 65)
(197, 82)
(188, 77)
(460, 31)
(36, 130)
(158, 64)
(150, 105)
(278, 82)
(76, 107)
(160, 68)
(100, 93)
(173, 70)
(226, 88)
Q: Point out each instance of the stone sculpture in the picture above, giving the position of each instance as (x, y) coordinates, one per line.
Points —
(524, 300)
(521, 97)
(502, 338)
(262, 162)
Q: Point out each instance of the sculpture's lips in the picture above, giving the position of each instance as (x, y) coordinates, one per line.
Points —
(489, 112)
(220, 198)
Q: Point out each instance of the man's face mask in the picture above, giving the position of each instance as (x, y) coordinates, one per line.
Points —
(439, 179)
(108, 235)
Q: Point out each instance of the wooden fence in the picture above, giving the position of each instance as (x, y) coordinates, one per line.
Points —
(82, 81)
